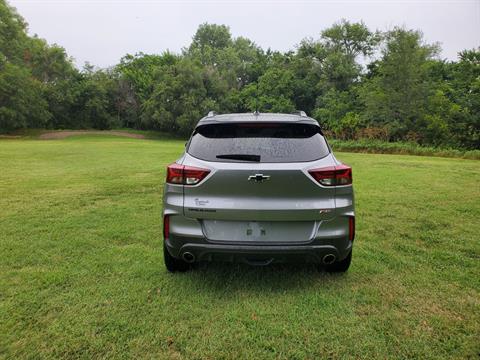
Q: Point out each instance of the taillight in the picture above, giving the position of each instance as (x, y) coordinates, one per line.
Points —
(185, 175)
(333, 175)
(193, 175)
(175, 174)
(166, 226)
(351, 228)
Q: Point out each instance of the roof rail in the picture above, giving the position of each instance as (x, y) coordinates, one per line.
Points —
(211, 113)
(300, 113)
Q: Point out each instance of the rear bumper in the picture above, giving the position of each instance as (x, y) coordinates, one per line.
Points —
(256, 254)
(330, 237)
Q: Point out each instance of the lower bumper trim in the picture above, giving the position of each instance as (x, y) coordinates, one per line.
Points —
(260, 254)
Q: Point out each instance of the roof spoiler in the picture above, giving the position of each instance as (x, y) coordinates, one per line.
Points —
(299, 113)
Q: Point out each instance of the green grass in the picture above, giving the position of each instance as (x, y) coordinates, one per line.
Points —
(402, 148)
(82, 275)
(31, 134)
(369, 146)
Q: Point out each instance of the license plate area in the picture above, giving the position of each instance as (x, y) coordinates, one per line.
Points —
(259, 231)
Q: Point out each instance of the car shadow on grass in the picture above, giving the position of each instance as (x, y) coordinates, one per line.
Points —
(220, 277)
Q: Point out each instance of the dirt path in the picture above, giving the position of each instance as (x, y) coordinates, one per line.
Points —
(67, 133)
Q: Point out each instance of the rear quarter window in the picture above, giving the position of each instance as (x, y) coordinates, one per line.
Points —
(264, 142)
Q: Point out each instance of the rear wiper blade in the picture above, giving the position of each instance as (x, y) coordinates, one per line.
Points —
(245, 157)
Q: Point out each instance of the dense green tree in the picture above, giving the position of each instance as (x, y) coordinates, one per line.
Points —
(402, 93)
(351, 39)
(464, 90)
(272, 93)
(48, 63)
(22, 103)
(63, 100)
(136, 78)
(332, 107)
(178, 100)
(397, 97)
(139, 71)
(13, 37)
(97, 100)
(208, 42)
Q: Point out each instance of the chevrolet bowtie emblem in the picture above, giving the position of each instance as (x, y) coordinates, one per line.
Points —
(259, 177)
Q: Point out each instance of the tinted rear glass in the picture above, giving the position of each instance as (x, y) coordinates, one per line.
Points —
(263, 142)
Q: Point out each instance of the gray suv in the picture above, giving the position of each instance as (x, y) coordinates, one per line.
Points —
(258, 188)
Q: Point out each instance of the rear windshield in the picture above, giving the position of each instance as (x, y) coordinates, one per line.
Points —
(258, 142)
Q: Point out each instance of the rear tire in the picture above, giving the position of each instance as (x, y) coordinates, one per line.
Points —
(172, 264)
(339, 266)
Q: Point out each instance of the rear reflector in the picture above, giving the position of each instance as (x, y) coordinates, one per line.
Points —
(185, 175)
(351, 228)
(333, 175)
(166, 226)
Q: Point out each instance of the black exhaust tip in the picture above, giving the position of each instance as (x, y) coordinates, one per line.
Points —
(188, 257)
(329, 259)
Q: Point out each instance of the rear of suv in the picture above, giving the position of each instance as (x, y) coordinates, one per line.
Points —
(258, 188)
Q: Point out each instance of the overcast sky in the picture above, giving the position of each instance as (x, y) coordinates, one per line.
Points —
(101, 32)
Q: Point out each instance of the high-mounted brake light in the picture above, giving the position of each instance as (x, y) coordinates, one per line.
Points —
(333, 175)
(259, 125)
(185, 175)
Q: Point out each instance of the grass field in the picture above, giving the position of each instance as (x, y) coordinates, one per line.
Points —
(82, 275)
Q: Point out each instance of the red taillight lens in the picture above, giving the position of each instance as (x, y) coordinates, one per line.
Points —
(343, 174)
(325, 176)
(175, 174)
(351, 228)
(166, 226)
(333, 175)
(193, 175)
(185, 175)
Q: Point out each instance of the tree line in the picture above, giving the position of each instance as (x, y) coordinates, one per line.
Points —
(358, 83)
